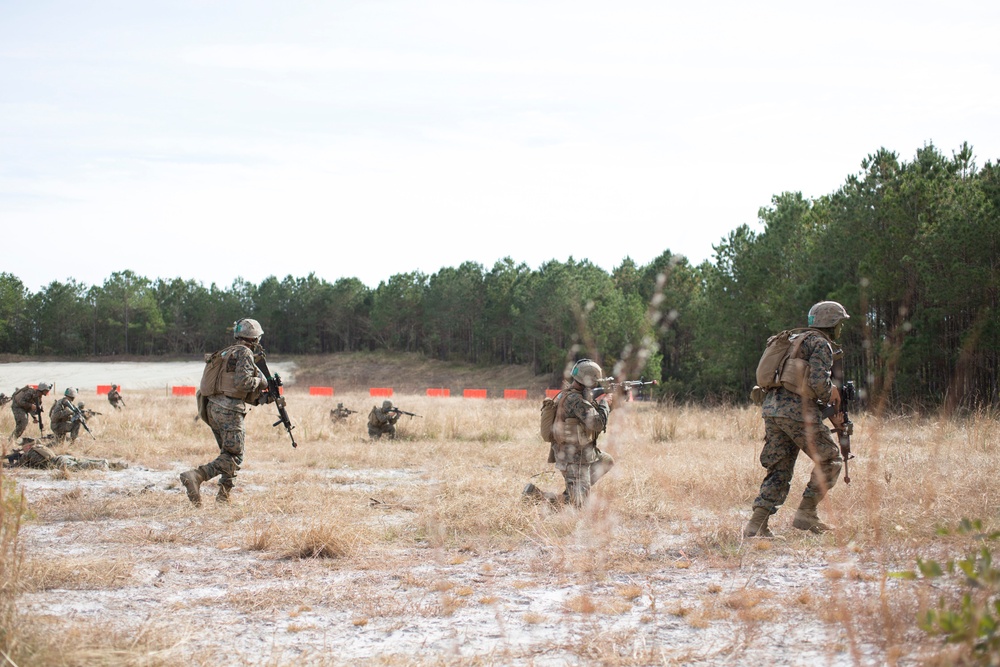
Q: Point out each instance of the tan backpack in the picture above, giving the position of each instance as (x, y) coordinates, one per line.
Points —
(550, 405)
(548, 416)
(781, 365)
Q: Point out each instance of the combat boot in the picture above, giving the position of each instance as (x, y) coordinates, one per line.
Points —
(223, 495)
(757, 526)
(192, 480)
(806, 517)
(533, 493)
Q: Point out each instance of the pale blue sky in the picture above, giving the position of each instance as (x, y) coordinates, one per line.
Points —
(213, 140)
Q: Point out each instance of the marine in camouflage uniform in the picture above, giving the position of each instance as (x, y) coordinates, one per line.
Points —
(578, 422)
(115, 398)
(794, 423)
(382, 421)
(34, 455)
(85, 411)
(61, 417)
(340, 413)
(231, 380)
(27, 401)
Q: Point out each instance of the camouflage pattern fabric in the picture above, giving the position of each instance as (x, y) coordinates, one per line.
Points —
(225, 417)
(382, 422)
(581, 476)
(115, 399)
(338, 414)
(41, 457)
(784, 439)
(818, 353)
(23, 404)
(578, 424)
(61, 419)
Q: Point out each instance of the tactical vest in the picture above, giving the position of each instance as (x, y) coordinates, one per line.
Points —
(61, 412)
(37, 457)
(219, 376)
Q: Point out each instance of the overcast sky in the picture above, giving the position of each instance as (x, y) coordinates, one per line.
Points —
(213, 140)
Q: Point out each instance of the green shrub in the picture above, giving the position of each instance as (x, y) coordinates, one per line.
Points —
(971, 620)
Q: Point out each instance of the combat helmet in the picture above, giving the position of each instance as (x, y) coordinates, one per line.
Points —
(247, 328)
(587, 373)
(44, 386)
(827, 314)
(387, 405)
(70, 392)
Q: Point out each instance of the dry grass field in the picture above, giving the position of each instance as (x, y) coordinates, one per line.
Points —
(419, 551)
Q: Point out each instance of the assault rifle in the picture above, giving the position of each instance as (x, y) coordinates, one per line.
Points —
(609, 385)
(342, 413)
(274, 395)
(79, 417)
(846, 429)
(403, 412)
(37, 416)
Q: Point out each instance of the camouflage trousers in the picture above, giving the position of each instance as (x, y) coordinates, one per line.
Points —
(230, 435)
(783, 440)
(581, 476)
(44, 458)
(376, 432)
(62, 429)
(20, 422)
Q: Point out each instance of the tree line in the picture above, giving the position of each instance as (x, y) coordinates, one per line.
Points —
(909, 248)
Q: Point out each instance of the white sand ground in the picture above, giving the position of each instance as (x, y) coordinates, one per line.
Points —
(126, 374)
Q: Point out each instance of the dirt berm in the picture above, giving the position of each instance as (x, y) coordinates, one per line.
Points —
(413, 373)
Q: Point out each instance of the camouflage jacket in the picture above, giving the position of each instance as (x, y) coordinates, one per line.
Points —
(379, 418)
(818, 352)
(577, 424)
(62, 411)
(27, 399)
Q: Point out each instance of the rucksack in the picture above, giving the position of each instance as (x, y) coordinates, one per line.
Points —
(781, 364)
(548, 418)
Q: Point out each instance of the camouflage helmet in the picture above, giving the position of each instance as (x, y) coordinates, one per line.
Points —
(114, 386)
(340, 405)
(70, 392)
(247, 328)
(587, 373)
(44, 386)
(387, 405)
(827, 314)
(80, 405)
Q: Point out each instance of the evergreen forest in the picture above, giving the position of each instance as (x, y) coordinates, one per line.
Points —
(910, 248)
